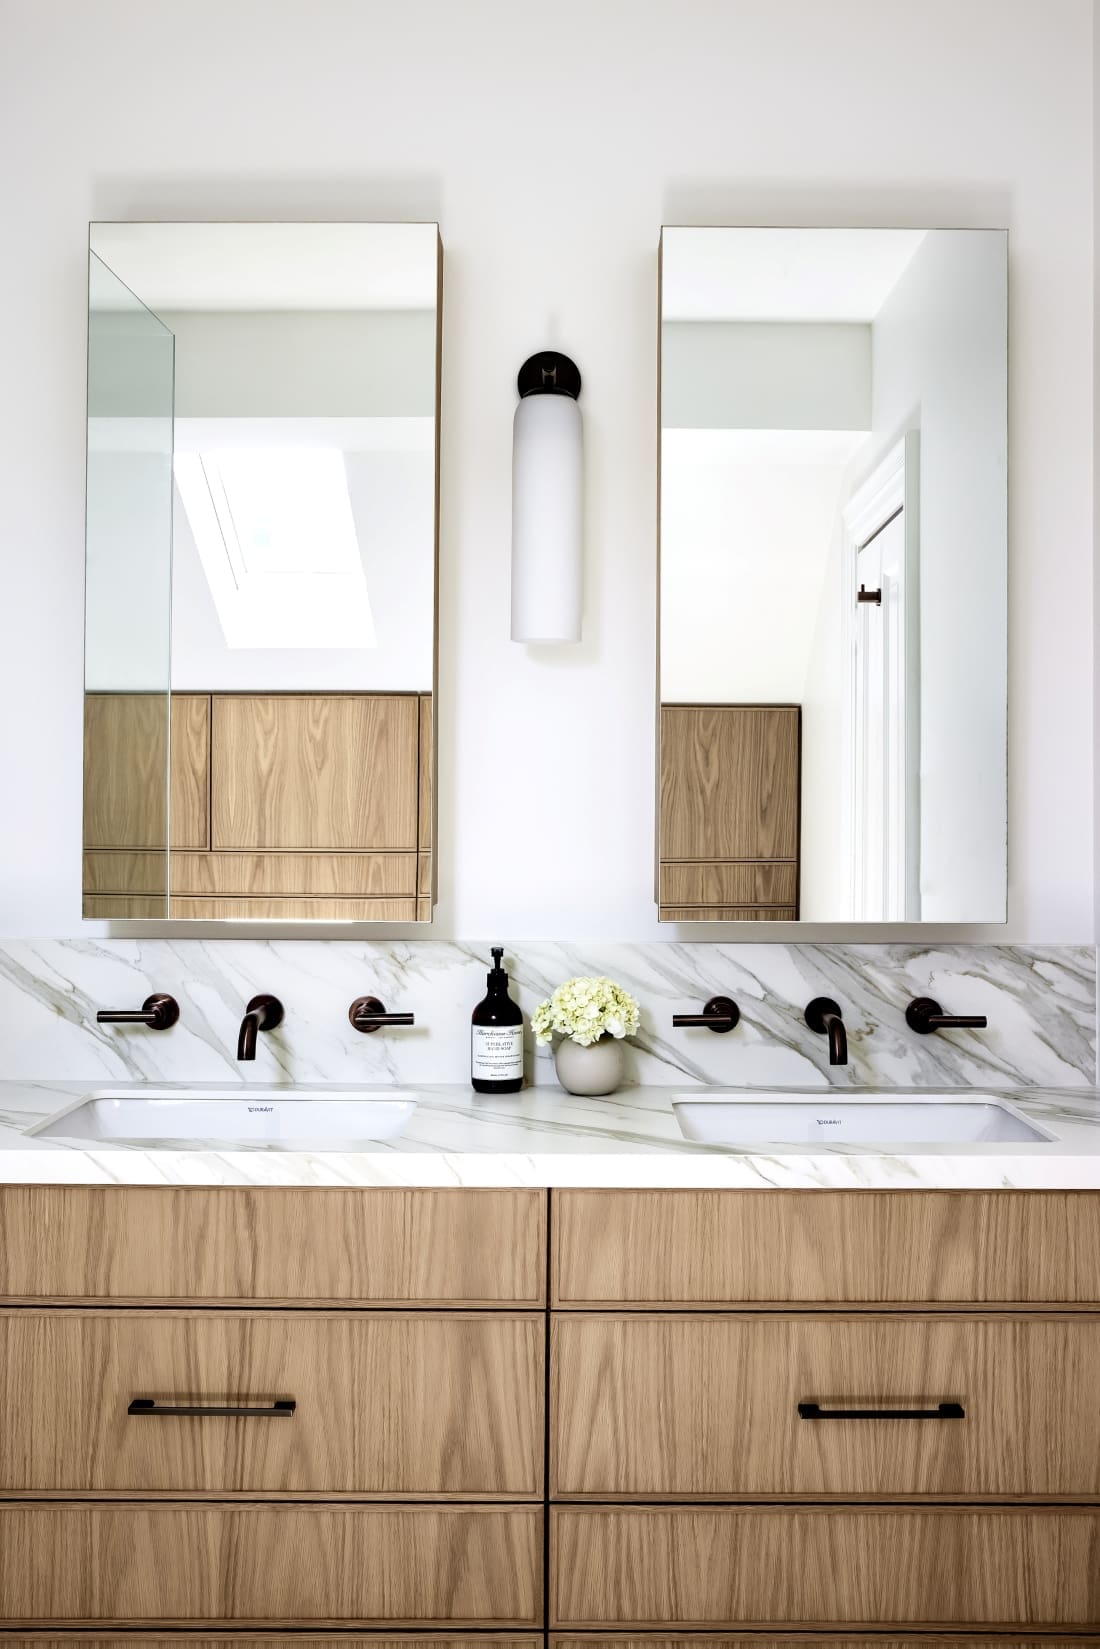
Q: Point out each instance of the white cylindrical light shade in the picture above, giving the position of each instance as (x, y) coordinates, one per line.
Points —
(547, 518)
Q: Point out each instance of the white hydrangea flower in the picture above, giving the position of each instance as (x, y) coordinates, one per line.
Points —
(586, 1008)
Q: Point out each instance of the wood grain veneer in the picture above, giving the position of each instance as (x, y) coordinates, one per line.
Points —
(828, 1248)
(818, 1640)
(278, 1640)
(381, 1246)
(87, 1564)
(728, 913)
(756, 882)
(425, 800)
(999, 1569)
(314, 772)
(303, 909)
(125, 768)
(696, 1408)
(447, 1406)
(334, 875)
(729, 781)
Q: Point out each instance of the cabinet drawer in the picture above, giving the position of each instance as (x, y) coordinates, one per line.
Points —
(695, 1408)
(750, 882)
(869, 1568)
(792, 1640)
(208, 1565)
(376, 1247)
(274, 1640)
(827, 1248)
(445, 1406)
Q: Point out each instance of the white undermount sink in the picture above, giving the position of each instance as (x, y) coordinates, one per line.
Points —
(235, 1116)
(929, 1121)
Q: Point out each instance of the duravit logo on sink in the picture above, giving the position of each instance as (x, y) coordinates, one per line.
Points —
(827, 1122)
(261, 1109)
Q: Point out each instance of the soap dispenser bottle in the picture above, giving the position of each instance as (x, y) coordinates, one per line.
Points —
(496, 1050)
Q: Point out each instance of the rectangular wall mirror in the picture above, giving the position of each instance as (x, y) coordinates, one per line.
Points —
(260, 646)
(833, 575)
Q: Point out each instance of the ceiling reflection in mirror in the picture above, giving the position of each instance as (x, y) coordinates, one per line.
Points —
(261, 549)
(833, 575)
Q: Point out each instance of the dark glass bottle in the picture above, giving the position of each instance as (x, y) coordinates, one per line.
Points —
(496, 1037)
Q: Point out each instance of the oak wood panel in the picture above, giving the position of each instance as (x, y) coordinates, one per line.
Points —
(335, 875)
(425, 800)
(752, 882)
(694, 1408)
(729, 781)
(190, 820)
(125, 770)
(728, 913)
(818, 1640)
(423, 910)
(314, 772)
(443, 1406)
(424, 876)
(828, 1248)
(88, 1564)
(279, 1640)
(124, 906)
(378, 1246)
(55, 1639)
(293, 910)
(870, 1567)
(134, 874)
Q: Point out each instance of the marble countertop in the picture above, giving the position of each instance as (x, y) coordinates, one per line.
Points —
(543, 1137)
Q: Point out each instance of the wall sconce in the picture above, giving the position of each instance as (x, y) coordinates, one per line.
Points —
(547, 503)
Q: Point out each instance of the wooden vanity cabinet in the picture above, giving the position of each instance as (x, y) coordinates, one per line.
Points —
(689, 1495)
(403, 1492)
(669, 1494)
(730, 800)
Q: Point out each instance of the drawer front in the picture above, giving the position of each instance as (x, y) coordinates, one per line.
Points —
(272, 1640)
(708, 1407)
(386, 1406)
(869, 1568)
(750, 882)
(270, 1565)
(376, 1246)
(790, 1640)
(828, 1248)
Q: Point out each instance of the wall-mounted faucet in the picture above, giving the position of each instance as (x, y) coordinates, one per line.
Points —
(824, 1016)
(262, 1014)
(367, 1014)
(158, 1012)
(924, 1015)
(721, 1013)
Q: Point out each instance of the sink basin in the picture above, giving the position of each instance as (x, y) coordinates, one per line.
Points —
(234, 1116)
(931, 1121)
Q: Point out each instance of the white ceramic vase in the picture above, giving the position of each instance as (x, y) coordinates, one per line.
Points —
(597, 1069)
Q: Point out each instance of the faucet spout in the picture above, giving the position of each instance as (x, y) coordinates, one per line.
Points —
(824, 1016)
(262, 1014)
(838, 1039)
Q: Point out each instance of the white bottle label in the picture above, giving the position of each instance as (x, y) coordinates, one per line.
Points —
(497, 1053)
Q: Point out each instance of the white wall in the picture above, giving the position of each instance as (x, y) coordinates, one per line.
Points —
(765, 375)
(938, 366)
(746, 522)
(550, 144)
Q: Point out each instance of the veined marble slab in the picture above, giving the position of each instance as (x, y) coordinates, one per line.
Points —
(1040, 1001)
(546, 1138)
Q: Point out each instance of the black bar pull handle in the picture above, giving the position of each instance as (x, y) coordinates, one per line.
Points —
(282, 1409)
(942, 1411)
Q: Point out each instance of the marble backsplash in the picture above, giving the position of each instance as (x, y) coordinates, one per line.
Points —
(1040, 1001)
